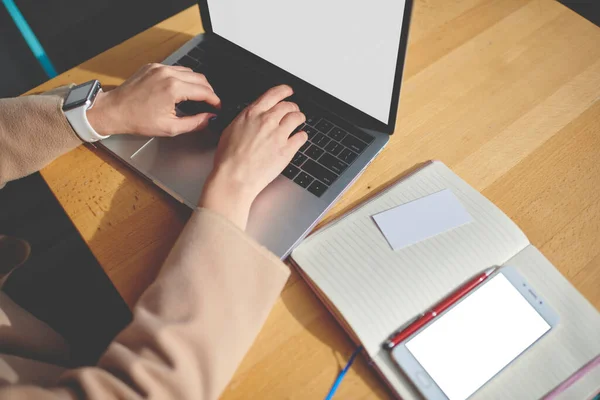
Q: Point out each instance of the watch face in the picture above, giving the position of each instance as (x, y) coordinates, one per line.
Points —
(79, 95)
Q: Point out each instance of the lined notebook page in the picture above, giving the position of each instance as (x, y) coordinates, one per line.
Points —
(574, 342)
(550, 361)
(377, 289)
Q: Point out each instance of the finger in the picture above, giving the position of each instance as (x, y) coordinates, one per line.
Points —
(272, 97)
(294, 143)
(189, 124)
(191, 91)
(193, 77)
(281, 109)
(290, 122)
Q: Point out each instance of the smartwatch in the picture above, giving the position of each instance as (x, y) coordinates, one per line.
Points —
(80, 99)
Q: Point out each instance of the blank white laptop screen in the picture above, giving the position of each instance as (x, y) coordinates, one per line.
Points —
(347, 48)
(473, 341)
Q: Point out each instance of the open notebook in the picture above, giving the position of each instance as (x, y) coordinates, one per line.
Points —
(373, 290)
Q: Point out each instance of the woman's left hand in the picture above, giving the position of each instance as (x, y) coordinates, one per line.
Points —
(145, 103)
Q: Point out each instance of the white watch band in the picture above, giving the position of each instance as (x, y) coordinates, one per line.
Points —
(77, 117)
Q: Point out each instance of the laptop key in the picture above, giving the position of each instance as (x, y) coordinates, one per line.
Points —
(319, 172)
(314, 152)
(303, 179)
(334, 148)
(200, 68)
(337, 134)
(187, 61)
(196, 53)
(312, 120)
(365, 137)
(320, 140)
(347, 156)
(333, 163)
(354, 144)
(305, 146)
(317, 188)
(311, 132)
(324, 126)
(299, 159)
(290, 171)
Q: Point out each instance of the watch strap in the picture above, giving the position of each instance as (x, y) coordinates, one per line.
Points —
(77, 117)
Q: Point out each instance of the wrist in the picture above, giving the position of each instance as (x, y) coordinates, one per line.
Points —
(223, 196)
(103, 116)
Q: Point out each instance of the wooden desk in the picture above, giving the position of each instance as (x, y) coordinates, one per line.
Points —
(506, 93)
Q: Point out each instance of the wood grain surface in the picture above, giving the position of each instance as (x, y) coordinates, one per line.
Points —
(505, 92)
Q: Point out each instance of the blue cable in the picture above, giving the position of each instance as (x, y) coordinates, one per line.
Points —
(342, 374)
(32, 41)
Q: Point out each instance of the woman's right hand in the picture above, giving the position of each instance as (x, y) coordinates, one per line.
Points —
(252, 152)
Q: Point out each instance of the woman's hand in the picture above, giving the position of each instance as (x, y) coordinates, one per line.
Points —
(252, 152)
(145, 103)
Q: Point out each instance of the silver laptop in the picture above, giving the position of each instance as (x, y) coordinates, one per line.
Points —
(344, 59)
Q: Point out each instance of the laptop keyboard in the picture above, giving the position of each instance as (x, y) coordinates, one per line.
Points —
(328, 152)
(326, 155)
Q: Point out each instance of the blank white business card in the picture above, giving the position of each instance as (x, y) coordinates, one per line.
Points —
(421, 219)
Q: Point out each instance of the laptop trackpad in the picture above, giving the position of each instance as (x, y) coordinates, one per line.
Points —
(181, 164)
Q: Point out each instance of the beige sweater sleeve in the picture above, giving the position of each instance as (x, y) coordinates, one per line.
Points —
(33, 132)
(193, 325)
(191, 328)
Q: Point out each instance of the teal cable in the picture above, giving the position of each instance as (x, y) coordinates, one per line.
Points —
(342, 374)
(32, 41)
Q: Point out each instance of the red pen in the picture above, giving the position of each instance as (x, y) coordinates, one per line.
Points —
(417, 323)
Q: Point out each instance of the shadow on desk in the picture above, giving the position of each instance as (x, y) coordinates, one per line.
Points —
(308, 310)
(61, 283)
(136, 232)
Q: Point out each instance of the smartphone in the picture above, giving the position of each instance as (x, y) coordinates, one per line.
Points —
(460, 350)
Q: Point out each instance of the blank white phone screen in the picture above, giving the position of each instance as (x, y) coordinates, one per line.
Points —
(473, 341)
(347, 48)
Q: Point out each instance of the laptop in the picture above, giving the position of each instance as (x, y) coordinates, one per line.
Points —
(344, 60)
